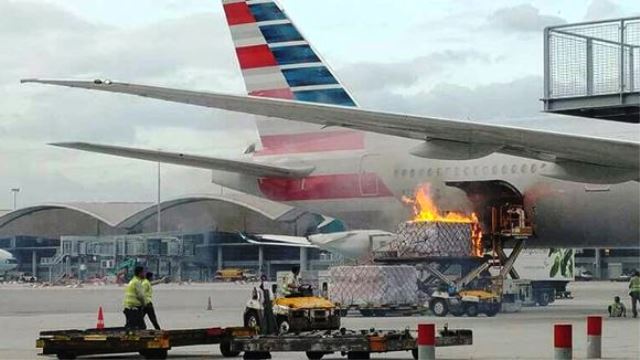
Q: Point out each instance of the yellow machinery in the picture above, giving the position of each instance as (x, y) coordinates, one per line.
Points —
(291, 314)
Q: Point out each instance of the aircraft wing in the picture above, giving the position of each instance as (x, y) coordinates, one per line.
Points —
(443, 138)
(205, 162)
(277, 240)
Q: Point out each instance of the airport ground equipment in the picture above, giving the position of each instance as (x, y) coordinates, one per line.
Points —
(354, 344)
(304, 312)
(469, 302)
(151, 344)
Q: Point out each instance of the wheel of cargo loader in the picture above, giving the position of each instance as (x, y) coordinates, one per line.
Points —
(252, 319)
(225, 350)
(358, 355)
(154, 354)
(543, 299)
(315, 355)
(439, 307)
(472, 310)
(66, 356)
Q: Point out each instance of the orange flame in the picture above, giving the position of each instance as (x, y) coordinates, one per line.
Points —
(425, 209)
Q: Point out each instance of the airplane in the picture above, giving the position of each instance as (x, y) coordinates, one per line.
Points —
(319, 151)
(7, 262)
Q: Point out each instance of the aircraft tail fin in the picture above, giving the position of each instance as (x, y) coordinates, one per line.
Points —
(278, 62)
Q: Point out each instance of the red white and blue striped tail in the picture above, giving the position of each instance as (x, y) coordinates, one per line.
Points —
(278, 62)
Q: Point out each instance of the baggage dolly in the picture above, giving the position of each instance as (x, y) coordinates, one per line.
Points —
(353, 344)
(151, 344)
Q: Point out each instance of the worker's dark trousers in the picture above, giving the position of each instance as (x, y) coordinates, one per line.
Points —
(152, 315)
(635, 298)
(135, 319)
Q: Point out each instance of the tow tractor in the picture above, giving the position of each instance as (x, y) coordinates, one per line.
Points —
(303, 312)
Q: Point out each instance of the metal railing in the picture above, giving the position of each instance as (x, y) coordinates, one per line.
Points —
(592, 58)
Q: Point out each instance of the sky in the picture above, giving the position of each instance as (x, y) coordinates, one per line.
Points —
(414, 56)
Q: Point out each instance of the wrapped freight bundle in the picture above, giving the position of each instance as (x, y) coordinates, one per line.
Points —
(433, 239)
(373, 285)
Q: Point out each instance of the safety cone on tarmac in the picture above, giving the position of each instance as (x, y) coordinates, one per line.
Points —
(100, 324)
(209, 305)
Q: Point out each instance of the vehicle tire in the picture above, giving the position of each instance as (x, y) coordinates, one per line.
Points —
(315, 355)
(472, 310)
(225, 350)
(283, 325)
(493, 310)
(414, 354)
(252, 319)
(66, 356)
(543, 299)
(358, 355)
(439, 307)
(155, 354)
(457, 313)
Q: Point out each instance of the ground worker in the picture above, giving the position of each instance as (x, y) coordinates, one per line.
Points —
(147, 287)
(634, 292)
(290, 283)
(134, 301)
(617, 309)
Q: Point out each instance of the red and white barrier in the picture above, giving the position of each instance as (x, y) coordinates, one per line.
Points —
(426, 341)
(562, 341)
(594, 337)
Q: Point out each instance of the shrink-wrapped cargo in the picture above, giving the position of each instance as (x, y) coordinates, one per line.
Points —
(433, 239)
(373, 285)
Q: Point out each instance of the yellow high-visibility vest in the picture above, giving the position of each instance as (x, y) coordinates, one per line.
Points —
(148, 290)
(131, 295)
(634, 285)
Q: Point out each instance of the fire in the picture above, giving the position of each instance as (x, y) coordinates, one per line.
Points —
(425, 209)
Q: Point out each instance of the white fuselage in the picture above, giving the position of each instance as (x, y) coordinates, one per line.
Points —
(7, 261)
(364, 189)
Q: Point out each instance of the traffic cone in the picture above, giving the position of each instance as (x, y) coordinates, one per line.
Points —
(100, 324)
(209, 305)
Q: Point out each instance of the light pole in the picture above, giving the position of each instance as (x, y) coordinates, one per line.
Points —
(15, 192)
(159, 221)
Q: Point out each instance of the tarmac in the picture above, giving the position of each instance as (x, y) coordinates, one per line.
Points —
(24, 311)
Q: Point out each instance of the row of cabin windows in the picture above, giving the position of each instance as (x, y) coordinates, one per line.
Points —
(470, 170)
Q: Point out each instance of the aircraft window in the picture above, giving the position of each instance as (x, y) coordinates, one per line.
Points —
(505, 169)
(466, 170)
(534, 168)
(523, 169)
(514, 168)
(485, 170)
(404, 172)
(543, 165)
(438, 171)
(430, 172)
(494, 169)
(412, 173)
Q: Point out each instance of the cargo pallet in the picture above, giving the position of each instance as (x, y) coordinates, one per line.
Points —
(353, 344)
(152, 344)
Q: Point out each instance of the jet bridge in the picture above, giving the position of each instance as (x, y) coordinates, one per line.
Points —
(592, 69)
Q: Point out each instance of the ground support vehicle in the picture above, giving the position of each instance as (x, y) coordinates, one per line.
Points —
(353, 344)
(292, 314)
(151, 344)
(469, 302)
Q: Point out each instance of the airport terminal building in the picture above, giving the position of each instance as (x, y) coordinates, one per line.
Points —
(199, 235)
